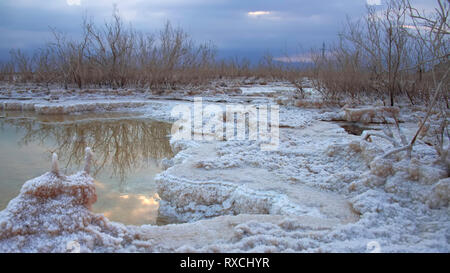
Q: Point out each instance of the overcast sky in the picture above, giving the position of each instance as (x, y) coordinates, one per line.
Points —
(237, 27)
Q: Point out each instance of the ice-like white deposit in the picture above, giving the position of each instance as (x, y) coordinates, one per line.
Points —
(323, 190)
(258, 90)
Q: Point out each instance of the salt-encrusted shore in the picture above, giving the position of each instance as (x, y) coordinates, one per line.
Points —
(323, 190)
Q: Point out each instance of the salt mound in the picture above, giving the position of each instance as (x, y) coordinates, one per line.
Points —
(52, 212)
(440, 194)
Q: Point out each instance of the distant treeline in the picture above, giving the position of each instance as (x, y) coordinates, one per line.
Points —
(116, 55)
(395, 50)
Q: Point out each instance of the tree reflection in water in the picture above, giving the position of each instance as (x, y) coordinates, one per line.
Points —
(127, 149)
(119, 140)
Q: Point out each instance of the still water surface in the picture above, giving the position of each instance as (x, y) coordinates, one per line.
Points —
(127, 150)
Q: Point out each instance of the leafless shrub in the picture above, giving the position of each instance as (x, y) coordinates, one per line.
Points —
(7, 72)
(388, 53)
(115, 55)
(23, 65)
(431, 31)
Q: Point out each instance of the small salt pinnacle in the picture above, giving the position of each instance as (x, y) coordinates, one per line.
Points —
(55, 167)
(88, 157)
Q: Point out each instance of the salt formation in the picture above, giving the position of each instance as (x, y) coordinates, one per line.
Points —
(323, 190)
(51, 214)
(49, 108)
(369, 114)
(199, 186)
(52, 210)
(55, 167)
(440, 194)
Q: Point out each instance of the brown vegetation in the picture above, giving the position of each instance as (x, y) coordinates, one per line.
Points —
(392, 53)
(115, 55)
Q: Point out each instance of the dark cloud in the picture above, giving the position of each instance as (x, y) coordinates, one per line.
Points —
(289, 23)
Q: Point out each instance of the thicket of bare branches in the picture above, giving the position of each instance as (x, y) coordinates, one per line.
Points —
(116, 55)
(430, 38)
(394, 51)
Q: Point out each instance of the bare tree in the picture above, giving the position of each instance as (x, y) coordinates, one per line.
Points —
(381, 38)
(116, 55)
(23, 65)
(431, 31)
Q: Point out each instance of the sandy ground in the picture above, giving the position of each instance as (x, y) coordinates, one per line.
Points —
(322, 190)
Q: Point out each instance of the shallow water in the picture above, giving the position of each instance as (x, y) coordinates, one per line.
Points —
(127, 153)
(354, 128)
